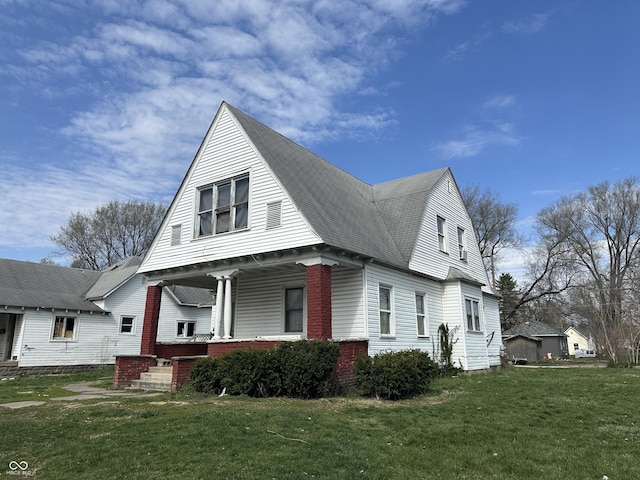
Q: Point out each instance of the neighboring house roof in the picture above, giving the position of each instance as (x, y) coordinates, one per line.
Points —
(526, 337)
(37, 285)
(580, 330)
(534, 329)
(191, 295)
(113, 277)
(381, 221)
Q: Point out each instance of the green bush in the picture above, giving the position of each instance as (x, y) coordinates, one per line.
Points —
(203, 375)
(395, 375)
(301, 369)
(250, 371)
(307, 367)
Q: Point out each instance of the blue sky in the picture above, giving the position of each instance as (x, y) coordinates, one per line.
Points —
(104, 99)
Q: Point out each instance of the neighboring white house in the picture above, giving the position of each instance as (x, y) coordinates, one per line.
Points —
(292, 247)
(578, 338)
(52, 315)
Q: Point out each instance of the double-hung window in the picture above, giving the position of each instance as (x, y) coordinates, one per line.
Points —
(472, 310)
(386, 311)
(421, 316)
(462, 252)
(294, 310)
(223, 207)
(442, 233)
(64, 328)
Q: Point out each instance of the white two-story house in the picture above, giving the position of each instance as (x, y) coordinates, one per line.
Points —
(292, 247)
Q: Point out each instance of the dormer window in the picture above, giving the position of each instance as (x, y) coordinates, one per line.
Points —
(223, 207)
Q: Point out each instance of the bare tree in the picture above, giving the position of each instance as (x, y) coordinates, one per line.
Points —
(495, 225)
(550, 274)
(111, 233)
(600, 229)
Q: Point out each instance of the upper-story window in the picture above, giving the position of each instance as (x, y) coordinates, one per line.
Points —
(462, 250)
(442, 236)
(223, 207)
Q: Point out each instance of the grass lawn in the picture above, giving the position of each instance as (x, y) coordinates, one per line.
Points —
(581, 423)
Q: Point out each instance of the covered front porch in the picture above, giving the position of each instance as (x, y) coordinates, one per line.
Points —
(259, 301)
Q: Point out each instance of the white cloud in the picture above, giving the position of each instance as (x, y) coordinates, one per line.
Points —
(144, 78)
(474, 140)
(500, 101)
(528, 26)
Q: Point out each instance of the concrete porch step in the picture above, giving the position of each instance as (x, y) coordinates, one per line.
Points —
(157, 378)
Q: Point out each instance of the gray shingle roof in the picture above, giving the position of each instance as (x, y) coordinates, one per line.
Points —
(534, 329)
(379, 221)
(113, 277)
(27, 284)
(190, 295)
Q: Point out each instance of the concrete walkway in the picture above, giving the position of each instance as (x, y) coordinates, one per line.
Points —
(84, 391)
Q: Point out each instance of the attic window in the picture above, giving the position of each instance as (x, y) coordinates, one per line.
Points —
(223, 207)
(274, 214)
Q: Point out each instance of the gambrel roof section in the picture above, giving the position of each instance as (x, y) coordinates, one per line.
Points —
(380, 221)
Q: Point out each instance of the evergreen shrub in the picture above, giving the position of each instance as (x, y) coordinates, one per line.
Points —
(302, 369)
(395, 375)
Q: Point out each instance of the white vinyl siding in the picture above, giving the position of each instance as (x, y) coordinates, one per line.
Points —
(227, 154)
(405, 287)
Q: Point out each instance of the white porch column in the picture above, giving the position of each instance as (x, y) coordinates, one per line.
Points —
(227, 307)
(219, 300)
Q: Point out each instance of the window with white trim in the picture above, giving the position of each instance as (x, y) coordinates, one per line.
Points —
(462, 251)
(385, 307)
(442, 233)
(421, 316)
(223, 207)
(294, 310)
(128, 324)
(64, 328)
(186, 329)
(472, 311)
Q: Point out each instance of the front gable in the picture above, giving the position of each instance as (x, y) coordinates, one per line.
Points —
(273, 221)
